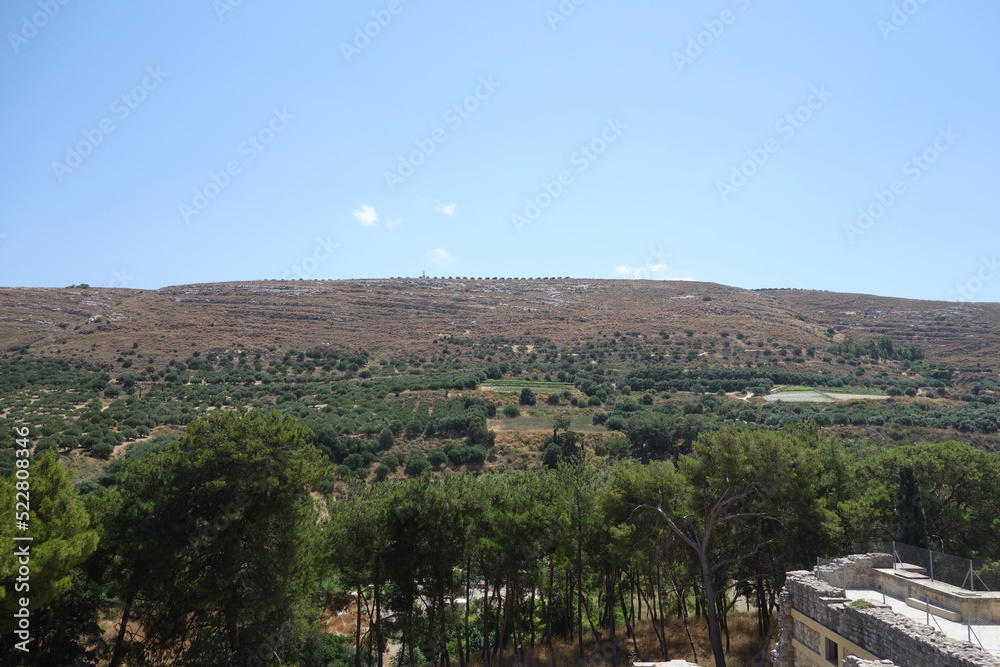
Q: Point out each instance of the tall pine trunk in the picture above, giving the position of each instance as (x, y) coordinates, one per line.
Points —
(711, 613)
(119, 651)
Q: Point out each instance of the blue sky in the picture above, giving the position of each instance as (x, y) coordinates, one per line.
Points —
(848, 146)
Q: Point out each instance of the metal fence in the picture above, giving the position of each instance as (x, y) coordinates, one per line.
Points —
(967, 573)
(973, 575)
(970, 574)
(983, 634)
(976, 631)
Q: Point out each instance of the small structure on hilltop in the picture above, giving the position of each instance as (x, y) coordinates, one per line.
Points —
(866, 610)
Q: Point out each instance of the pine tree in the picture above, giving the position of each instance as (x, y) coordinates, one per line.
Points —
(910, 510)
(61, 538)
(220, 560)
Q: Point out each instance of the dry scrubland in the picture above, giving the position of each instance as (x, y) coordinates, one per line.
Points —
(405, 316)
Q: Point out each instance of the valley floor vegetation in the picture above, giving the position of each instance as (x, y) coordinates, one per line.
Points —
(483, 506)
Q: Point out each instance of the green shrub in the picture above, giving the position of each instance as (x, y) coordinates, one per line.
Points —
(528, 397)
(552, 455)
(328, 484)
(476, 454)
(102, 450)
(438, 457)
(416, 463)
(328, 650)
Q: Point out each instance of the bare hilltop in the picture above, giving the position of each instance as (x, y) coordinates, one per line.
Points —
(409, 315)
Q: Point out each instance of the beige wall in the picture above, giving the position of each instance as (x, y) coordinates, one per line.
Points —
(813, 651)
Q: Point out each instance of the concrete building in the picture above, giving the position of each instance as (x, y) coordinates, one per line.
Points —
(867, 610)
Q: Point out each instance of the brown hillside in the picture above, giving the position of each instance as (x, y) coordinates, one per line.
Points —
(395, 316)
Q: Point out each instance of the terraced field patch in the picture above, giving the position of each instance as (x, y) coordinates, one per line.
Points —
(543, 422)
(800, 397)
(822, 394)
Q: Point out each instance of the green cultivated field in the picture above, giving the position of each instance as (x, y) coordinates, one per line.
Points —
(534, 385)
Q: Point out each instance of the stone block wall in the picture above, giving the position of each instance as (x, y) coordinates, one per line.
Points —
(876, 630)
(855, 570)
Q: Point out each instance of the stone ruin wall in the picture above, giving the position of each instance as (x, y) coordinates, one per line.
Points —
(876, 629)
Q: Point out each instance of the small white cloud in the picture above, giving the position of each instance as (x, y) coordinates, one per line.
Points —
(366, 215)
(647, 271)
(441, 256)
(658, 270)
(447, 209)
(393, 222)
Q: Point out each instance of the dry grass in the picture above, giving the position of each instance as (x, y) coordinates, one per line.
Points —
(82, 468)
(541, 422)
